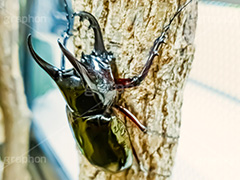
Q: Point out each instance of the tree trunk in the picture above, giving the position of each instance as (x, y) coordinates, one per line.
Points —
(16, 114)
(129, 30)
(1, 129)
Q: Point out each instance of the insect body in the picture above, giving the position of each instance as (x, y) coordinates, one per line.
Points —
(90, 90)
(101, 137)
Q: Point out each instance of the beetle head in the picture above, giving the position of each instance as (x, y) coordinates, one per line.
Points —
(95, 69)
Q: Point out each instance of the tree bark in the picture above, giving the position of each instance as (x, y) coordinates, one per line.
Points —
(16, 114)
(129, 30)
(1, 129)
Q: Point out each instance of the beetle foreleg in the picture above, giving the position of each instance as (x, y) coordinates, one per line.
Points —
(99, 44)
(132, 118)
(136, 80)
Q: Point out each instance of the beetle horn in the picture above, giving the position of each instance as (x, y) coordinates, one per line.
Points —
(50, 69)
(99, 44)
(76, 64)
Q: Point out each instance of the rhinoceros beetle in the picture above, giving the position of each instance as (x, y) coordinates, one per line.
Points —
(101, 136)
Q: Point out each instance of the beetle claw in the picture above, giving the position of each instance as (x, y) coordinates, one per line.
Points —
(50, 69)
(99, 44)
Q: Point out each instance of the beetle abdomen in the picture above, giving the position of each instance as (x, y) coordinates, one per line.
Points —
(103, 140)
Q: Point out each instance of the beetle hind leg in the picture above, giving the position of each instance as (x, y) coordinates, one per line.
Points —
(132, 118)
(99, 44)
(141, 126)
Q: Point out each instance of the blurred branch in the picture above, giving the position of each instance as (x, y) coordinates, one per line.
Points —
(16, 114)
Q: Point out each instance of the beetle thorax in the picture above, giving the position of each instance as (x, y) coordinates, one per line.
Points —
(99, 77)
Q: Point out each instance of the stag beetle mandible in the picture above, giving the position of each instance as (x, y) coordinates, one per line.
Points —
(102, 138)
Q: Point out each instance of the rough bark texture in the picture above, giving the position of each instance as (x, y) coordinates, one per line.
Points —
(129, 30)
(1, 140)
(16, 114)
(1, 127)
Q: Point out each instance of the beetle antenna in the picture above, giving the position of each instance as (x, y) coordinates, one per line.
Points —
(160, 40)
(67, 33)
(178, 11)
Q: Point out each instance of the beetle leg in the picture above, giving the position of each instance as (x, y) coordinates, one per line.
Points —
(132, 118)
(136, 80)
(50, 69)
(99, 44)
(164, 135)
(67, 33)
(141, 126)
(140, 166)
